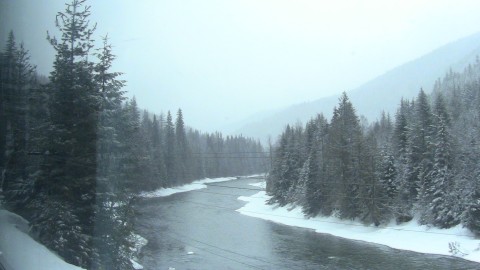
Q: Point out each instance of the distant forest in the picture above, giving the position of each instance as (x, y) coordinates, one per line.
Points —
(422, 164)
(74, 151)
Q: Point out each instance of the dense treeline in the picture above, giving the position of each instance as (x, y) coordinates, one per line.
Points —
(424, 163)
(172, 154)
(74, 151)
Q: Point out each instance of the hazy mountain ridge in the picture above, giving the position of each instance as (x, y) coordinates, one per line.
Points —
(380, 94)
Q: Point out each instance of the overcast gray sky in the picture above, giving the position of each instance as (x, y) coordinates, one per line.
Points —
(221, 61)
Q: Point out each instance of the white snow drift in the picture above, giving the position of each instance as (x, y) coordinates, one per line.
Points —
(18, 251)
(198, 184)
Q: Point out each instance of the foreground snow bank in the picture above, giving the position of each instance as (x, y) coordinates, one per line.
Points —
(18, 251)
(198, 184)
(456, 241)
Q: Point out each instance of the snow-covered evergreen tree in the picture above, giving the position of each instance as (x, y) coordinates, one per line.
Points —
(69, 169)
(419, 155)
(314, 190)
(170, 153)
(182, 149)
(345, 144)
(160, 170)
(318, 197)
(388, 174)
(17, 83)
(8, 60)
(441, 198)
(113, 212)
(287, 165)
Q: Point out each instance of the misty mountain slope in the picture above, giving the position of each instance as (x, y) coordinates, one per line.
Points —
(381, 93)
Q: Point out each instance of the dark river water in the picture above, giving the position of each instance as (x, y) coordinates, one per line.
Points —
(201, 230)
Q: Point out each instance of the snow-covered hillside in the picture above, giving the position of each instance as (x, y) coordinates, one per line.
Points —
(381, 93)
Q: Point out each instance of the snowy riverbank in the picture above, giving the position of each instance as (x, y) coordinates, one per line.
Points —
(411, 236)
(198, 184)
(19, 251)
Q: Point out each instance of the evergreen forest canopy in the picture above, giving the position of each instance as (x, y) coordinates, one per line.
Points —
(423, 164)
(74, 151)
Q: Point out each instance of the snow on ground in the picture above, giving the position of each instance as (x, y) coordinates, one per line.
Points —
(198, 184)
(18, 251)
(455, 241)
(259, 184)
(136, 265)
(260, 175)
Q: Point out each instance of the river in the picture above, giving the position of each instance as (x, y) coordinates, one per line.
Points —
(201, 230)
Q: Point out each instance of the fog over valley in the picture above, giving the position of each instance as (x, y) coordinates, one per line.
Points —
(224, 61)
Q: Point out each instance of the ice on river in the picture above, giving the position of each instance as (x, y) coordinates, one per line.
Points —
(455, 241)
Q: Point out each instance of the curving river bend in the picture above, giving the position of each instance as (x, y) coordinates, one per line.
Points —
(201, 230)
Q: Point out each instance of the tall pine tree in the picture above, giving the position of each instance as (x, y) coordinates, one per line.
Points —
(345, 142)
(68, 181)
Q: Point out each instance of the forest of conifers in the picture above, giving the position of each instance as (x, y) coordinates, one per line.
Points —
(422, 164)
(74, 151)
